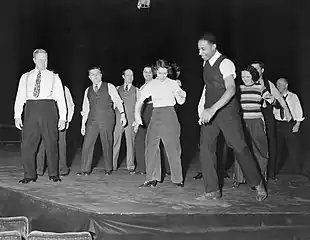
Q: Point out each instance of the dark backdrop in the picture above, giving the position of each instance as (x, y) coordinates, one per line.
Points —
(114, 35)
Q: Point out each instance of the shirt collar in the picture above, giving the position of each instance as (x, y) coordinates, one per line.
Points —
(128, 85)
(213, 59)
(99, 84)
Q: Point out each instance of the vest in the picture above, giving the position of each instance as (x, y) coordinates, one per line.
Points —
(129, 98)
(215, 86)
(100, 104)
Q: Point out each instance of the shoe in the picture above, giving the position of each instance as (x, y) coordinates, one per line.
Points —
(83, 174)
(55, 178)
(65, 174)
(151, 184)
(40, 174)
(108, 172)
(179, 185)
(131, 172)
(235, 184)
(27, 180)
(273, 178)
(210, 196)
(198, 176)
(261, 193)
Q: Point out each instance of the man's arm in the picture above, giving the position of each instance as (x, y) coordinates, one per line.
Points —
(85, 108)
(201, 103)
(20, 97)
(277, 95)
(60, 99)
(179, 94)
(116, 99)
(70, 104)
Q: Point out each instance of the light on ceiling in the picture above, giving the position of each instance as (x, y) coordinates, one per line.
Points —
(143, 4)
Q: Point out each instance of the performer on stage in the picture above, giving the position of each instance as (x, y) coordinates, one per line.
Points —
(287, 131)
(98, 117)
(219, 111)
(128, 93)
(146, 113)
(269, 117)
(164, 125)
(42, 92)
(252, 94)
(62, 142)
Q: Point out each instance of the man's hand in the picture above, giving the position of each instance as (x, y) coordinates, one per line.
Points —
(67, 125)
(18, 123)
(123, 120)
(83, 129)
(288, 115)
(207, 115)
(295, 128)
(61, 125)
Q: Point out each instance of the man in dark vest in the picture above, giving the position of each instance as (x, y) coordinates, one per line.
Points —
(128, 93)
(41, 91)
(269, 118)
(219, 111)
(98, 117)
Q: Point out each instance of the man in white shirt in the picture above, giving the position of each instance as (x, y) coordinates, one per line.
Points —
(218, 111)
(62, 144)
(98, 117)
(164, 125)
(287, 131)
(128, 93)
(45, 113)
(269, 117)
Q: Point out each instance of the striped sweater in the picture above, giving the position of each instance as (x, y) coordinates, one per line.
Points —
(251, 100)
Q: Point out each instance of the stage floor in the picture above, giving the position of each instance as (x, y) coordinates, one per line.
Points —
(118, 194)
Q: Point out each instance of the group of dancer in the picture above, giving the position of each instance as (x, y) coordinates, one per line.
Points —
(147, 116)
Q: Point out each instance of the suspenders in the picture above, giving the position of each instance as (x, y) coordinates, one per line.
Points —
(52, 89)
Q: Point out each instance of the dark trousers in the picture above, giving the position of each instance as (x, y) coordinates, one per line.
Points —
(165, 127)
(287, 142)
(228, 121)
(62, 147)
(40, 121)
(105, 130)
(270, 125)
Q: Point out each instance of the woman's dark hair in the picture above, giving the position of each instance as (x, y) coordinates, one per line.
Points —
(252, 70)
(161, 63)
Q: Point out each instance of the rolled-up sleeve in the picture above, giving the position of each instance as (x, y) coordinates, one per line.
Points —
(116, 99)
(20, 97)
(60, 99)
(297, 111)
(274, 91)
(85, 107)
(70, 104)
(227, 68)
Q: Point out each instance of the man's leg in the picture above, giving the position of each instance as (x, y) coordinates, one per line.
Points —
(117, 140)
(140, 149)
(106, 137)
(88, 147)
(62, 143)
(130, 138)
(41, 159)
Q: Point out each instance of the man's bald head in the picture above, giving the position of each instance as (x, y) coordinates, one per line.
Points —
(282, 85)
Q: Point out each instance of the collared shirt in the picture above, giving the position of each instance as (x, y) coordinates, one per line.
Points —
(129, 86)
(163, 93)
(294, 106)
(50, 88)
(70, 104)
(112, 91)
(227, 68)
(273, 90)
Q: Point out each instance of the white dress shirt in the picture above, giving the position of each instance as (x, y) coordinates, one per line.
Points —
(227, 68)
(294, 106)
(273, 90)
(70, 104)
(50, 88)
(112, 91)
(129, 86)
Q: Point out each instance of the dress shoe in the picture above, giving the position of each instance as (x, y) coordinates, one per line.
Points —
(210, 196)
(131, 172)
(235, 184)
(151, 184)
(261, 193)
(55, 178)
(65, 174)
(40, 174)
(27, 180)
(83, 174)
(109, 172)
(273, 178)
(179, 185)
(198, 176)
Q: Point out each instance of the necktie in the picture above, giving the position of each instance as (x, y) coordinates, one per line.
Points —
(282, 110)
(126, 88)
(36, 91)
(96, 88)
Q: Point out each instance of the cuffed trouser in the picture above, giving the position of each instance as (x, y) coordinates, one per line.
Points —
(228, 121)
(164, 126)
(62, 146)
(257, 140)
(40, 122)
